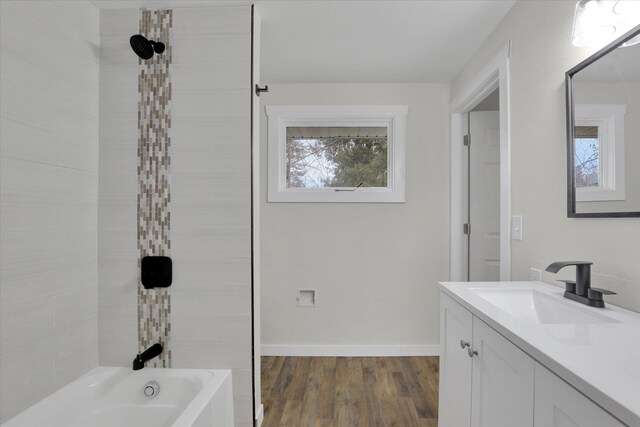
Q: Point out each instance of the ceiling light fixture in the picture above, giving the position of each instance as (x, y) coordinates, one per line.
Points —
(597, 22)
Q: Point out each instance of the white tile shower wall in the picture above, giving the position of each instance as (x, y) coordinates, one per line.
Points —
(210, 193)
(49, 67)
(117, 226)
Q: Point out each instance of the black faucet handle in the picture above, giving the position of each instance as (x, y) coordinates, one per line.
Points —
(569, 285)
(596, 293)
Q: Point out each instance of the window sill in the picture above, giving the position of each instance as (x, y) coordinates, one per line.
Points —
(332, 196)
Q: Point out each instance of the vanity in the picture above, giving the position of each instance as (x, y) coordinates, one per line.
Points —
(518, 354)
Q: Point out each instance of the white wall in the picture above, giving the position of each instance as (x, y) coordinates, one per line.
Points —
(541, 53)
(210, 193)
(375, 266)
(48, 198)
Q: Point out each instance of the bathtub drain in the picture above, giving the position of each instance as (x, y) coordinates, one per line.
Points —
(151, 389)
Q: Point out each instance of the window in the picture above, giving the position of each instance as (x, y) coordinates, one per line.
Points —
(337, 157)
(599, 152)
(336, 153)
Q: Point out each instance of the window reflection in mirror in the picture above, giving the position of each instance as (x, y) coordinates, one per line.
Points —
(587, 156)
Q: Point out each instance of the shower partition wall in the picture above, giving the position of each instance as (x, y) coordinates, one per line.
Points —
(208, 321)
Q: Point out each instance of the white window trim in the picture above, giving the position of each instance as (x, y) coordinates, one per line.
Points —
(282, 116)
(609, 118)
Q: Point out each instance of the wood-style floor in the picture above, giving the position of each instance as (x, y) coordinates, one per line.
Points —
(350, 391)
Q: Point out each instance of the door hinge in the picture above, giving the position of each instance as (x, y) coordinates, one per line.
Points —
(466, 228)
(466, 140)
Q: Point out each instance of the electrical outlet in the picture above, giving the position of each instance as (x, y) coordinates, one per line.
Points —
(535, 274)
(306, 298)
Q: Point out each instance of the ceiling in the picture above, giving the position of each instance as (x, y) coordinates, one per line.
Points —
(344, 41)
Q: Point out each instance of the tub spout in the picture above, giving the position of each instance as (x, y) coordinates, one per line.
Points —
(148, 354)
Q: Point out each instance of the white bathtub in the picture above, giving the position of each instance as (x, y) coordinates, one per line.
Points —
(110, 397)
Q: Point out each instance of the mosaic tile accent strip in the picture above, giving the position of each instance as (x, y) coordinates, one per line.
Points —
(154, 167)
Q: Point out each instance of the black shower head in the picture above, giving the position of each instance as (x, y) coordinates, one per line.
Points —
(144, 48)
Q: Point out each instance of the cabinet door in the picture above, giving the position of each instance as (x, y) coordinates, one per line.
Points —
(502, 384)
(557, 404)
(455, 364)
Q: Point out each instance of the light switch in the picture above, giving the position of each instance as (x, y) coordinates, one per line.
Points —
(516, 227)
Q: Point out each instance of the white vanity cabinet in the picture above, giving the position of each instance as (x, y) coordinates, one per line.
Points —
(501, 381)
(456, 328)
(519, 354)
(485, 381)
(560, 405)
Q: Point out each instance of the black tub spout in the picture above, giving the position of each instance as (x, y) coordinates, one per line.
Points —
(148, 354)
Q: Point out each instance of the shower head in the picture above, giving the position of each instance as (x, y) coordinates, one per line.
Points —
(144, 48)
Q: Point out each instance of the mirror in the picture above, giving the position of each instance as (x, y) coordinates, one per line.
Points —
(603, 131)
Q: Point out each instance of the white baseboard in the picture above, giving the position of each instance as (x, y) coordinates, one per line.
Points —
(350, 350)
(259, 416)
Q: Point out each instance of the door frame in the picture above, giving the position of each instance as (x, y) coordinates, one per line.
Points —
(494, 75)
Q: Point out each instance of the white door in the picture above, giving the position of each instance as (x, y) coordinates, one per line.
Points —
(502, 381)
(455, 364)
(484, 196)
(557, 404)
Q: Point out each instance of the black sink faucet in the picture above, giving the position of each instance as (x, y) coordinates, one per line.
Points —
(580, 290)
(148, 354)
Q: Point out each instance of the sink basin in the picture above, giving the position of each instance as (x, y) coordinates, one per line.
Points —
(539, 307)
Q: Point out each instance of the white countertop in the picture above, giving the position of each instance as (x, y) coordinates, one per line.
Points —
(600, 360)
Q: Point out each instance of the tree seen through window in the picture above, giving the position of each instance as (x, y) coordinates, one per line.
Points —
(336, 157)
(587, 157)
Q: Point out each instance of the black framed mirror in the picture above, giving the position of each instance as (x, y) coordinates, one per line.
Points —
(603, 132)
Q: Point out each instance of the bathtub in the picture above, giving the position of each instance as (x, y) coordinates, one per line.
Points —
(110, 397)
